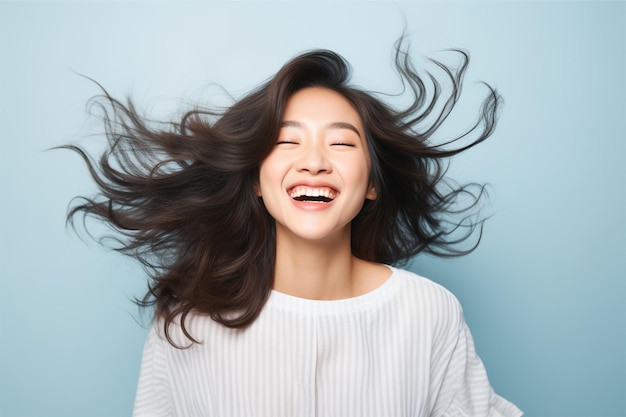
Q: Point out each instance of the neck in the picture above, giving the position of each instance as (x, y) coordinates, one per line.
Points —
(315, 270)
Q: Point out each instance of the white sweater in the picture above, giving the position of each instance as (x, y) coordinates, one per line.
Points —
(401, 350)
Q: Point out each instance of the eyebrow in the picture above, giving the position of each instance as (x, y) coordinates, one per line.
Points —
(333, 125)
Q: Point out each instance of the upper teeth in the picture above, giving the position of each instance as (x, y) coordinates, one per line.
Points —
(300, 191)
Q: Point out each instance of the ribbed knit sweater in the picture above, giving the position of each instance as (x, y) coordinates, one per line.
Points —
(403, 349)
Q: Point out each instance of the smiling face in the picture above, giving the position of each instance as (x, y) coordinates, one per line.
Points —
(316, 179)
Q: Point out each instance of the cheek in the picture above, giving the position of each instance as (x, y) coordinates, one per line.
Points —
(269, 176)
(357, 171)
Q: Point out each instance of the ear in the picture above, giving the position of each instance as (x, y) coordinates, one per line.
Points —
(371, 193)
(257, 189)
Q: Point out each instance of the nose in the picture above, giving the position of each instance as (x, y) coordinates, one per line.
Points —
(313, 159)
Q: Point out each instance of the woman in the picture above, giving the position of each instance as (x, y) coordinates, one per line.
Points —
(269, 231)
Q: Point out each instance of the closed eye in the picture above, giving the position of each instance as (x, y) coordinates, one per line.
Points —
(351, 145)
(286, 142)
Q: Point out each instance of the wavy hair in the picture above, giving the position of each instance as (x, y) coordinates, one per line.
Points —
(181, 197)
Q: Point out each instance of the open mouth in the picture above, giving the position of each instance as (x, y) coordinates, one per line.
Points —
(313, 194)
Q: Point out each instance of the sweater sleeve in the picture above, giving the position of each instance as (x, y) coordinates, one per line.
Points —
(464, 389)
(153, 397)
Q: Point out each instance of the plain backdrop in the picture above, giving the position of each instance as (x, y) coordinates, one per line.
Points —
(544, 294)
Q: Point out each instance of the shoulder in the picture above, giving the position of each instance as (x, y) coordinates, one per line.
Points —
(419, 286)
(184, 333)
(426, 298)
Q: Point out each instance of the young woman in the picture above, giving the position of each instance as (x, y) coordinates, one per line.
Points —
(270, 230)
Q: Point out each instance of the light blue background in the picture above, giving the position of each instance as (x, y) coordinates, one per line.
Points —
(545, 293)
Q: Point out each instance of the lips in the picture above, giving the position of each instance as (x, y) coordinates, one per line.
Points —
(320, 194)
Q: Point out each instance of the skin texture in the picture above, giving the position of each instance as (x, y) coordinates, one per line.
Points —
(320, 153)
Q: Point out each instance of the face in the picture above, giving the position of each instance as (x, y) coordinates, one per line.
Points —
(316, 179)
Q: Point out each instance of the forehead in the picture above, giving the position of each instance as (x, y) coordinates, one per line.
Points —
(316, 103)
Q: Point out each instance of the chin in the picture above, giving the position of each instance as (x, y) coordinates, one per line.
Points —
(317, 235)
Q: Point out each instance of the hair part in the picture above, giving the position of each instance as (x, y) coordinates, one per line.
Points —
(181, 199)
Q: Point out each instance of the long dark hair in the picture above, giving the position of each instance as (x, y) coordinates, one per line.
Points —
(181, 196)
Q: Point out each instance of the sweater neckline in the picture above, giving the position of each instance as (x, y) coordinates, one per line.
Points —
(305, 305)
